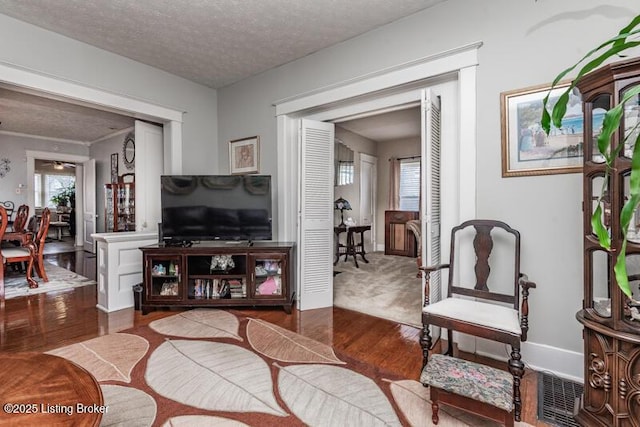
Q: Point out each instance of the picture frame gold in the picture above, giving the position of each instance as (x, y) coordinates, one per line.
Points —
(244, 155)
(526, 149)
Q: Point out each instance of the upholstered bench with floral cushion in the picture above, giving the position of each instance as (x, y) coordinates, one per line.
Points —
(469, 386)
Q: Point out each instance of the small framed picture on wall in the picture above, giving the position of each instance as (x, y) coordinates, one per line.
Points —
(114, 167)
(244, 155)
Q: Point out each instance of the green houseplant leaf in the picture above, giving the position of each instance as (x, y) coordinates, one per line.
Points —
(62, 197)
(613, 47)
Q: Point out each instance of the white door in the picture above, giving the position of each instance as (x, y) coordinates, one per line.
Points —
(315, 256)
(430, 188)
(88, 204)
(149, 166)
(368, 191)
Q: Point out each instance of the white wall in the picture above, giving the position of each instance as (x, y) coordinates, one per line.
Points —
(46, 52)
(101, 151)
(14, 148)
(351, 192)
(526, 43)
(386, 150)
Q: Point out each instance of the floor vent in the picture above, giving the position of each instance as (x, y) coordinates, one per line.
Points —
(556, 400)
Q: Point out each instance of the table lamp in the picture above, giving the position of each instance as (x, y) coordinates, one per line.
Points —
(342, 205)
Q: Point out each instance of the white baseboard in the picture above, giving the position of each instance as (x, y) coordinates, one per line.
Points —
(563, 363)
(380, 247)
(542, 358)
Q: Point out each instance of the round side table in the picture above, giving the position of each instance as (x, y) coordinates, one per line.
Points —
(42, 389)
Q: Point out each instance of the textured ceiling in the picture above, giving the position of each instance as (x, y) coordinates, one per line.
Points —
(386, 127)
(214, 42)
(35, 115)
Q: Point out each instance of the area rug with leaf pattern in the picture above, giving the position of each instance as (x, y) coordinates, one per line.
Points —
(211, 367)
(60, 279)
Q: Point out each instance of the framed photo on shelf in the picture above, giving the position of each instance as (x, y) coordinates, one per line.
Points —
(244, 155)
(526, 148)
(114, 167)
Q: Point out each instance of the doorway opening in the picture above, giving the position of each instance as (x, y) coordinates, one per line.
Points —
(454, 81)
(54, 187)
(52, 87)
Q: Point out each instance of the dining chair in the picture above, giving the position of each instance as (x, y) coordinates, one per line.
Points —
(31, 252)
(4, 219)
(18, 226)
(415, 226)
(20, 222)
(9, 207)
(38, 244)
(483, 294)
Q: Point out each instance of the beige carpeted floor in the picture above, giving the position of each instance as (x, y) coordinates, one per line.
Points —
(386, 287)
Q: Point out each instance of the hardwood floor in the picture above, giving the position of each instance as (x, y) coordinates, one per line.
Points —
(45, 321)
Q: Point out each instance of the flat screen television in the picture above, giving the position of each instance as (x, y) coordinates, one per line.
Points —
(215, 207)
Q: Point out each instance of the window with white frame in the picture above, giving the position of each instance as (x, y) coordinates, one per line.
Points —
(409, 182)
(48, 185)
(345, 174)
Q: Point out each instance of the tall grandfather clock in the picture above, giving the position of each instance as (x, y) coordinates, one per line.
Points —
(611, 335)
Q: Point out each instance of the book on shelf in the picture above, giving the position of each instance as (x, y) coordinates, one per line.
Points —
(238, 288)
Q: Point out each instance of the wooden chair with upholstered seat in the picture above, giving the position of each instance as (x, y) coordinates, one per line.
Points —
(9, 207)
(20, 222)
(31, 253)
(4, 220)
(479, 303)
(415, 226)
(38, 244)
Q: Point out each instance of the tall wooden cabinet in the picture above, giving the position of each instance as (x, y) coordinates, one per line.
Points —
(119, 207)
(611, 337)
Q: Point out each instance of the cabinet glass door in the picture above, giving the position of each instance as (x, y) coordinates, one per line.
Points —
(126, 207)
(268, 274)
(600, 105)
(108, 208)
(631, 124)
(165, 277)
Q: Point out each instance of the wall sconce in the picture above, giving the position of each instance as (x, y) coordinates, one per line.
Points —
(342, 205)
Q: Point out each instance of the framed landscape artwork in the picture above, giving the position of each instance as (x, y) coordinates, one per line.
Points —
(244, 155)
(526, 148)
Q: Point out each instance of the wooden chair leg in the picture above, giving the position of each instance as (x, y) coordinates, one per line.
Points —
(30, 280)
(508, 420)
(516, 368)
(450, 342)
(434, 406)
(425, 342)
(2, 282)
(39, 264)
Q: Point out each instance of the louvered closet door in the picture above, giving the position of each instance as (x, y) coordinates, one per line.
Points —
(316, 215)
(149, 167)
(431, 188)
